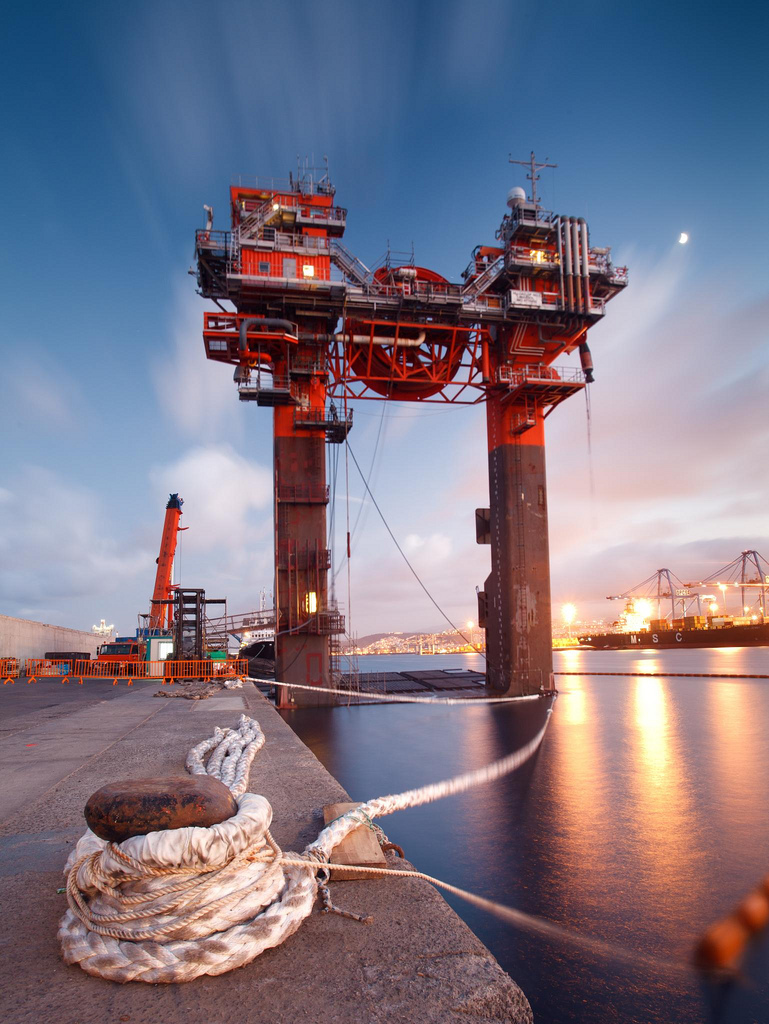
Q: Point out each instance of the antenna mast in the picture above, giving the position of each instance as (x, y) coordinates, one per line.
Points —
(532, 176)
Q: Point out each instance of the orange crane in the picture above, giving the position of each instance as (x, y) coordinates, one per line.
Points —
(160, 610)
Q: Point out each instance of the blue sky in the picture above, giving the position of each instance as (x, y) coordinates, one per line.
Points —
(120, 122)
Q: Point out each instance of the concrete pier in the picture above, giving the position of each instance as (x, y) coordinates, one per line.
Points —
(418, 962)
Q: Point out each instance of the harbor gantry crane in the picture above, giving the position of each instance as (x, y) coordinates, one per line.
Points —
(315, 328)
(663, 585)
(748, 573)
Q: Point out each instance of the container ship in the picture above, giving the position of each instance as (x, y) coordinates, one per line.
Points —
(746, 578)
(691, 631)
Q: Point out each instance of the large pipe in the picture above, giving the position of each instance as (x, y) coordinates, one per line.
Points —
(485, 361)
(585, 265)
(575, 263)
(569, 268)
(558, 232)
(377, 339)
(277, 325)
(586, 360)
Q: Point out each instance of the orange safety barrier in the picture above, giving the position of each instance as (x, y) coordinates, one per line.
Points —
(9, 670)
(38, 668)
(165, 671)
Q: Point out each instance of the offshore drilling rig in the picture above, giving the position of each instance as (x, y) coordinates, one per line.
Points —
(315, 328)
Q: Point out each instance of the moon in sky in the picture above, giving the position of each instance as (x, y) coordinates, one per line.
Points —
(683, 238)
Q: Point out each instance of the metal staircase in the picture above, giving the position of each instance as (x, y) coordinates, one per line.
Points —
(479, 284)
(251, 225)
(352, 268)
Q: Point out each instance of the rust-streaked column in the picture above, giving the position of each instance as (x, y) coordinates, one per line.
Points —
(518, 614)
(301, 555)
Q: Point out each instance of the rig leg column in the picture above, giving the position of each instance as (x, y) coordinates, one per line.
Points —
(518, 613)
(301, 561)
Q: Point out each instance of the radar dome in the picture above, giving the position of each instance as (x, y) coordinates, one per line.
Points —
(515, 196)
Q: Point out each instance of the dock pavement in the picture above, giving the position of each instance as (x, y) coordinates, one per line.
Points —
(418, 962)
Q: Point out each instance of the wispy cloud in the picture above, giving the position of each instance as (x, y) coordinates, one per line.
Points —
(221, 490)
(44, 392)
(195, 393)
(679, 433)
(56, 544)
(228, 512)
(427, 550)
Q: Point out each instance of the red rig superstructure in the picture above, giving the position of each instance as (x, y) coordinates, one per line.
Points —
(315, 328)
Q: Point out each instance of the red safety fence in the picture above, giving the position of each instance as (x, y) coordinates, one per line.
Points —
(9, 670)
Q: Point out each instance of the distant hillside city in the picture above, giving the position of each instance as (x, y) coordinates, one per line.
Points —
(467, 641)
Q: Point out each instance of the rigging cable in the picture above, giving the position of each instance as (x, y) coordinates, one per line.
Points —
(334, 466)
(591, 476)
(415, 574)
(363, 506)
(347, 492)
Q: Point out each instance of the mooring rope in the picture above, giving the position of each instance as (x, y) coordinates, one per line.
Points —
(175, 904)
(402, 698)
(528, 922)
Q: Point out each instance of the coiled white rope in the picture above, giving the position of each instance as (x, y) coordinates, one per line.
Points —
(172, 905)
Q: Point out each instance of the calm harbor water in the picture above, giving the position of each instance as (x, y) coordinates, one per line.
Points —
(641, 820)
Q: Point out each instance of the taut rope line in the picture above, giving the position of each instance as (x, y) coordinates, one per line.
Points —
(521, 919)
(402, 698)
(172, 905)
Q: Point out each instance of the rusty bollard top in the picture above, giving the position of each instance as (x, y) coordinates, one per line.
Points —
(135, 807)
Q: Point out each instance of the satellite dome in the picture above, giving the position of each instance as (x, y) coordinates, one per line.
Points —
(515, 196)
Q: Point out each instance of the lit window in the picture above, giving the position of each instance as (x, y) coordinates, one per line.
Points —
(308, 270)
(312, 602)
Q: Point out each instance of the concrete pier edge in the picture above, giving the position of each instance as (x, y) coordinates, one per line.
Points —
(417, 962)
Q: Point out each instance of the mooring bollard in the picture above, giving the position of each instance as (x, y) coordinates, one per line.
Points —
(135, 807)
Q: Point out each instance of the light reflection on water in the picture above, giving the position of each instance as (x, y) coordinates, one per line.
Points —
(641, 820)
